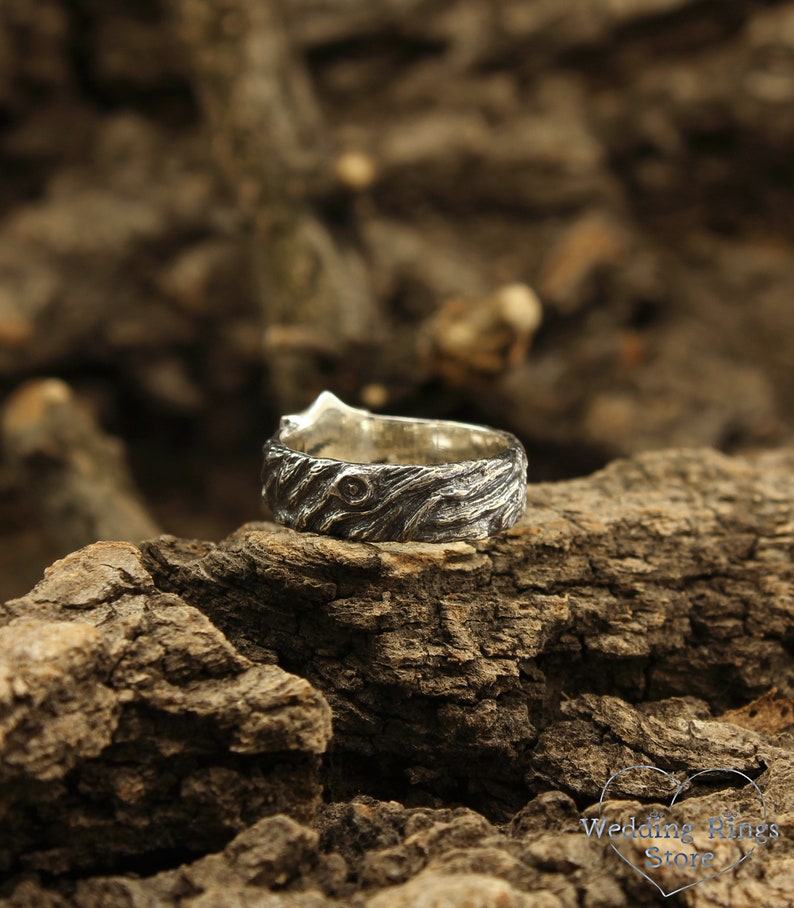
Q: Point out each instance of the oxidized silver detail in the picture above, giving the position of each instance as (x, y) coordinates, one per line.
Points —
(346, 472)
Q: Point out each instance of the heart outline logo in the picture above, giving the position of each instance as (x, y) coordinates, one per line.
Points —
(680, 786)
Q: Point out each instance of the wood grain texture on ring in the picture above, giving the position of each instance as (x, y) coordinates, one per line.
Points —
(438, 501)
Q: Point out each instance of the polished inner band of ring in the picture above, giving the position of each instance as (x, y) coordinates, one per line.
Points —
(360, 437)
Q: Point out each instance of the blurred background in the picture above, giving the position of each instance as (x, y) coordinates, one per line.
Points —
(569, 218)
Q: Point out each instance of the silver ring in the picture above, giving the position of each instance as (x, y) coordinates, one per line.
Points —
(345, 472)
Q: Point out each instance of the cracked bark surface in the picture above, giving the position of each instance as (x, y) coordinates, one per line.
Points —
(666, 575)
(130, 726)
(641, 616)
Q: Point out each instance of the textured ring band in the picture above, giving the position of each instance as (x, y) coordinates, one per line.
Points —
(345, 472)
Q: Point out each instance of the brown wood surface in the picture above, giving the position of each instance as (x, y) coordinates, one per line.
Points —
(628, 619)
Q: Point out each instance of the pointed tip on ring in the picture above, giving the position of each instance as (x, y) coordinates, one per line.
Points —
(326, 402)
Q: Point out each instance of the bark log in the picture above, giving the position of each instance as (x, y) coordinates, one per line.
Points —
(664, 576)
(628, 619)
(128, 717)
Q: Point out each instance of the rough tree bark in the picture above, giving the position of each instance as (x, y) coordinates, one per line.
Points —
(668, 575)
(644, 615)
